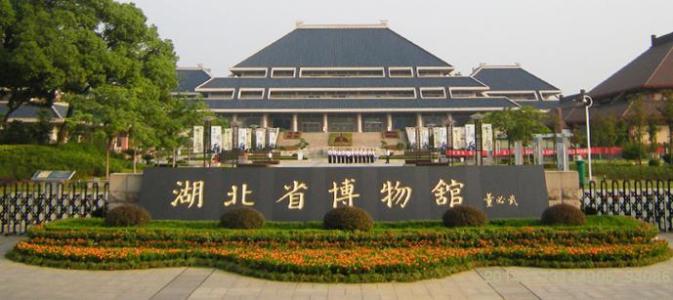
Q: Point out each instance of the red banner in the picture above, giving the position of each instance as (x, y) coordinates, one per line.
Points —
(546, 152)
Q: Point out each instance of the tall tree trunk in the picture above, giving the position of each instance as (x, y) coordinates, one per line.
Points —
(175, 157)
(135, 160)
(107, 158)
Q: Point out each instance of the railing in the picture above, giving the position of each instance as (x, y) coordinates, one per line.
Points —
(649, 201)
(28, 204)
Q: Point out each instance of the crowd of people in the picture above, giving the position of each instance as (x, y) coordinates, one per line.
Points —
(351, 156)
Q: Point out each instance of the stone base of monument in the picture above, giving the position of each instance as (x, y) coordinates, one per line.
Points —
(563, 187)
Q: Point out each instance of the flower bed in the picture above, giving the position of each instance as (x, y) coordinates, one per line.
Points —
(304, 252)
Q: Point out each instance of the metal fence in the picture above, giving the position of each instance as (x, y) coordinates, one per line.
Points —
(28, 204)
(649, 201)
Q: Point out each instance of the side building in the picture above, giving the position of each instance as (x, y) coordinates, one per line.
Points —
(646, 81)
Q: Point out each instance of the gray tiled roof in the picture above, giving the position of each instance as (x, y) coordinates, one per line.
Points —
(652, 69)
(29, 111)
(189, 79)
(511, 79)
(342, 47)
(318, 104)
(235, 82)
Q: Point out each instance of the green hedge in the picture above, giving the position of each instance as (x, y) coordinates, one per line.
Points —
(620, 170)
(404, 251)
(19, 162)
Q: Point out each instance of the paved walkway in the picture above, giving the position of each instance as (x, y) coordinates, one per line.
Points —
(18, 281)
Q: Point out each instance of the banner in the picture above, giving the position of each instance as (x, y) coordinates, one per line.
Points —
(470, 138)
(260, 138)
(487, 137)
(248, 138)
(227, 139)
(240, 143)
(411, 135)
(197, 145)
(215, 139)
(273, 137)
(439, 137)
(458, 136)
(425, 137)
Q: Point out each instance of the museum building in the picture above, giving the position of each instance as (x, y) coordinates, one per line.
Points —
(360, 79)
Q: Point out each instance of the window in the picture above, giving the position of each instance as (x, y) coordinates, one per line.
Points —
(459, 94)
(310, 123)
(374, 122)
(433, 71)
(249, 72)
(282, 73)
(402, 121)
(342, 123)
(550, 95)
(343, 93)
(341, 72)
(249, 120)
(221, 94)
(433, 93)
(395, 72)
(250, 94)
(515, 95)
(282, 121)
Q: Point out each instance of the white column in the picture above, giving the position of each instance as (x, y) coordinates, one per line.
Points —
(234, 120)
(419, 120)
(295, 122)
(265, 120)
(389, 122)
(325, 128)
(360, 123)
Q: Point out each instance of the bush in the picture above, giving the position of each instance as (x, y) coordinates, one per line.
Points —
(634, 151)
(348, 218)
(242, 218)
(127, 215)
(19, 162)
(654, 162)
(462, 215)
(563, 214)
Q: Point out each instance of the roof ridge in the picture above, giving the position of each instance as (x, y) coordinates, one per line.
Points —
(419, 47)
(670, 50)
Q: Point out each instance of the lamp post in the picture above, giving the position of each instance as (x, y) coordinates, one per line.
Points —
(587, 101)
(477, 137)
(207, 122)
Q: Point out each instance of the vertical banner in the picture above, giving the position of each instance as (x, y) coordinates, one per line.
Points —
(440, 137)
(260, 138)
(470, 138)
(227, 139)
(273, 137)
(425, 137)
(197, 146)
(248, 138)
(458, 136)
(411, 135)
(240, 143)
(487, 137)
(216, 139)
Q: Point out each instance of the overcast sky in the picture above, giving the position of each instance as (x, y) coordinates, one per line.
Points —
(572, 44)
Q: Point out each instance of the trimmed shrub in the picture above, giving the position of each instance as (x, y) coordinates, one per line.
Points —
(348, 218)
(462, 215)
(127, 215)
(563, 214)
(242, 218)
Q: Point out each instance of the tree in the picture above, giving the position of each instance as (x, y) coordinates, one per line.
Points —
(637, 120)
(518, 124)
(49, 48)
(604, 131)
(666, 111)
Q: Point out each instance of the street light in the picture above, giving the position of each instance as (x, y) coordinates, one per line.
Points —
(587, 101)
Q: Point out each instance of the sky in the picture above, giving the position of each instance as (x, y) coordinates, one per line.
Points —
(573, 44)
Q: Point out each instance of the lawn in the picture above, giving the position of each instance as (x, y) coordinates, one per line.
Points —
(403, 251)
